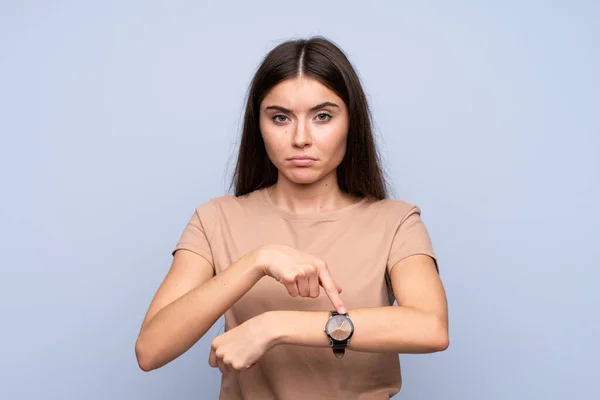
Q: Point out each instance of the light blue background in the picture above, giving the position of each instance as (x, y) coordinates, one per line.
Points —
(117, 118)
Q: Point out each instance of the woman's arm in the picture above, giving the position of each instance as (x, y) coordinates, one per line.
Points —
(188, 303)
(418, 325)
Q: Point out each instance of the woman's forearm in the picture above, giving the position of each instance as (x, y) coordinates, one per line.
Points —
(179, 325)
(381, 329)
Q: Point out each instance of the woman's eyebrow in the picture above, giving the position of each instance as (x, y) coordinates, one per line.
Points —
(315, 108)
(323, 105)
(278, 108)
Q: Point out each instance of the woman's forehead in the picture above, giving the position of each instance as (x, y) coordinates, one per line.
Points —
(300, 94)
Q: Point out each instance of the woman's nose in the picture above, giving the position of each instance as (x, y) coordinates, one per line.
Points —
(302, 137)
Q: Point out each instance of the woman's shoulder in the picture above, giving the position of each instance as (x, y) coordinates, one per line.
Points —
(387, 209)
(393, 208)
(230, 203)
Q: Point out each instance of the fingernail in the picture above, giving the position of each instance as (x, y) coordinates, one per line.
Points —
(343, 310)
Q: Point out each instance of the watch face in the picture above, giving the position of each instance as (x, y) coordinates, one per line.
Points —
(339, 327)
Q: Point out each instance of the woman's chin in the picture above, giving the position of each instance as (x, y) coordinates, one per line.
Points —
(303, 177)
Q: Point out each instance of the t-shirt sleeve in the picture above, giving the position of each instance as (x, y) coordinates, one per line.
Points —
(196, 235)
(411, 238)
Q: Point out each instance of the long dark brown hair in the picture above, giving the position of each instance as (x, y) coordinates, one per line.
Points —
(360, 173)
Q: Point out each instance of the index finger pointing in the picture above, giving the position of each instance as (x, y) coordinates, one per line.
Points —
(331, 289)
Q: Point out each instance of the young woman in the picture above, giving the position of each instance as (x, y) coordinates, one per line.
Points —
(306, 259)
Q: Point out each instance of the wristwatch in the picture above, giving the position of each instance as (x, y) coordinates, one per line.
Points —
(339, 328)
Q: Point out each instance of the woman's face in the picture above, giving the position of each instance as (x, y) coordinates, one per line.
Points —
(304, 126)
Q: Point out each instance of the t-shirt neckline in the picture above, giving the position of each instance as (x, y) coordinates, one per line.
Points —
(310, 216)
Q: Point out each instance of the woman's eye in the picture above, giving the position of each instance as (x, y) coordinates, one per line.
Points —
(279, 118)
(323, 117)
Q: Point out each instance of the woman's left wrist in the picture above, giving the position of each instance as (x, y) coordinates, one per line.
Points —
(270, 321)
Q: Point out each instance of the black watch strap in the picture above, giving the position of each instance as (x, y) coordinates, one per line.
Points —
(339, 349)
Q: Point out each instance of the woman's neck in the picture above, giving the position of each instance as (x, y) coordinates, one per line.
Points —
(321, 196)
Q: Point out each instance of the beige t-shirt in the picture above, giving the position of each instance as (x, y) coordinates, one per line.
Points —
(360, 243)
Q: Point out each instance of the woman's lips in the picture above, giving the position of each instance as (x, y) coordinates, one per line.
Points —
(302, 161)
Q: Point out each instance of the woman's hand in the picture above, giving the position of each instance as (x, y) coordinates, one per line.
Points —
(300, 273)
(241, 347)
